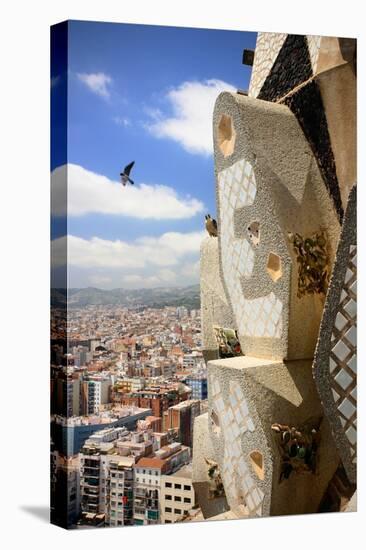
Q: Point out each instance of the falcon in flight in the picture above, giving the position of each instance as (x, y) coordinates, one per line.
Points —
(125, 175)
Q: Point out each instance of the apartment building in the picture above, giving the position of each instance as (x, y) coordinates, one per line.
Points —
(95, 392)
(176, 495)
(95, 456)
(127, 385)
(138, 445)
(198, 385)
(147, 476)
(120, 497)
(94, 477)
(153, 423)
(190, 360)
(158, 399)
(148, 473)
(91, 397)
(180, 418)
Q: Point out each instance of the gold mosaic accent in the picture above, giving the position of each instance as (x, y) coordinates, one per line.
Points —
(312, 262)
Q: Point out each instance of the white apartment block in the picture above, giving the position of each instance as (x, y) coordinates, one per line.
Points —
(93, 396)
(94, 462)
(121, 481)
(147, 475)
(95, 457)
(177, 495)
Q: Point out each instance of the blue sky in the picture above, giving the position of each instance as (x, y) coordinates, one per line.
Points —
(143, 93)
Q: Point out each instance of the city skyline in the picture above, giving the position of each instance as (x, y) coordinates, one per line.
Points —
(123, 403)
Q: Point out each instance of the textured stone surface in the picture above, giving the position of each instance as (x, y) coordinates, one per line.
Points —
(271, 179)
(267, 48)
(215, 309)
(246, 396)
(203, 449)
(298, 52)
(335, 362)
(307, 104)
(288, 169)
(338, 88)
(291, 68)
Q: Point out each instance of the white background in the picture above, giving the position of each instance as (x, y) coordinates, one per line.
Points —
(24, 272)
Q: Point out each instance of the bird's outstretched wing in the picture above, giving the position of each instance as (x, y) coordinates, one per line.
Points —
(128, 168)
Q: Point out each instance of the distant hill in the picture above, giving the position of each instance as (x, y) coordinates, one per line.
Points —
(188, 296)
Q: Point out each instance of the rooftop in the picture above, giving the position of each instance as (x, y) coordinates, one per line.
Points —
(154, 463)
(105, 417)
(124, 461)
(184, 472)
(184, 404)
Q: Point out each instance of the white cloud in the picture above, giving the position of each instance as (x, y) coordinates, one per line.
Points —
(170, 259)
(122, 121)
(164, 251)
(191, 124)
(97, 82)
(88, 192)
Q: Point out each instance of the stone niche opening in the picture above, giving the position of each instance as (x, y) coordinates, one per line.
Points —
(254, 233)
(215, 423)
(226, 135)
(256, 460)
(274, 266)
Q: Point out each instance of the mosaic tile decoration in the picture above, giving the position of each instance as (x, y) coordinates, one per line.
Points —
(235, 420)
(314, 47)
(343, 355)
(335, 360)
(291, 68)
(266, 50)
(260, 317)
(294, 63)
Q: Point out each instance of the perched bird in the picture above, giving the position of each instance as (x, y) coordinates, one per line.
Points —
(125, 175)
(211, 226)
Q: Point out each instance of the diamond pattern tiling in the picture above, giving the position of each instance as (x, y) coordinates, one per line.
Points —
(235, 420)
(343, 356)
(261, 317)
(266, 51)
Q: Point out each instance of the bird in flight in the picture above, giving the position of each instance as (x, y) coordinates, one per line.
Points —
(211, 226)
(125, 174)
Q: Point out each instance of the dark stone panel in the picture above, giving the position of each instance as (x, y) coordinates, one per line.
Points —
(307, 105)
(291, 67)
